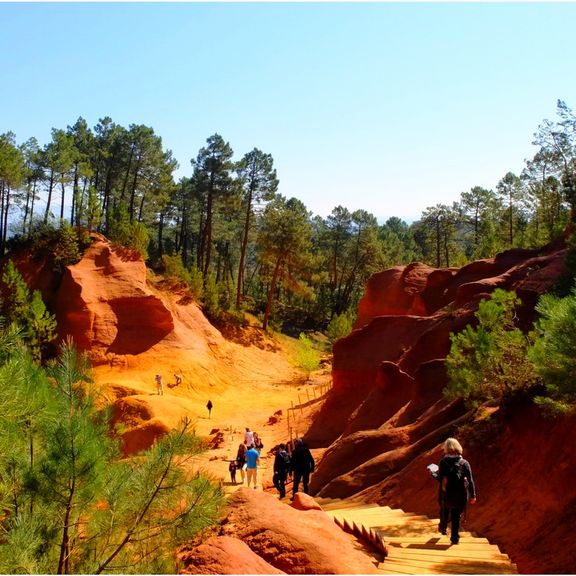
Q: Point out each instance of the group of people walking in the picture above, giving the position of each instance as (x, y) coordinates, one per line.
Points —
(297, 463)
(247, 459)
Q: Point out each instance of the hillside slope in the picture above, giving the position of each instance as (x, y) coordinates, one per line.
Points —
(132, 328)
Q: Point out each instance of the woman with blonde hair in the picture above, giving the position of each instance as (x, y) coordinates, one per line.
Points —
(456, 485)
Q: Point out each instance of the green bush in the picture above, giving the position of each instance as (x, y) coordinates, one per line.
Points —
(211, 296)
(489, 361)
(66, 247)
(27, 312)
(308, 357)
(174, 268)
(554, 350)
(340, 326)
(129, 234)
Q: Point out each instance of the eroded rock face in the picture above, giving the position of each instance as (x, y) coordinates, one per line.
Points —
(292, 540)
(389, 331)
(104, 303)
(223, 555)
(386, 417)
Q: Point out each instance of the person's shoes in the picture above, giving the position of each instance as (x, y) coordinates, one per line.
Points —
(454, 542)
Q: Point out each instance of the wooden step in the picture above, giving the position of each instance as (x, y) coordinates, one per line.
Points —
(463, 566)
(449, 551)
(411, 543)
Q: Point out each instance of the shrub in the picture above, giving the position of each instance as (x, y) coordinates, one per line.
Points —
(28, 312)
(554, 350)
(489, 361)
(339, 326)
(307, 358)
(130, 234)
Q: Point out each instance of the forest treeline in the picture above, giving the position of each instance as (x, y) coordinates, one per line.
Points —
(227, 230)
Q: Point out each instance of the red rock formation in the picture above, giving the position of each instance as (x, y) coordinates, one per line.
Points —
(402, 287)
(292, 540)
(410, 340)
(104, 302)
(385, 417)
(223, 555)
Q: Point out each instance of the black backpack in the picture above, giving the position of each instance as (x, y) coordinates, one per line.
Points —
(286, 460)
(456, 487)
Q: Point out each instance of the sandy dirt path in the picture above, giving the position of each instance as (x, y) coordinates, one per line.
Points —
(249, 387)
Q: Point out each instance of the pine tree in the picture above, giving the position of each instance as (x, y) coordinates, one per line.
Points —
(70, 504)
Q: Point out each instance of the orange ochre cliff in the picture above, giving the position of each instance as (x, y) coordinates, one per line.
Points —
(382, 422)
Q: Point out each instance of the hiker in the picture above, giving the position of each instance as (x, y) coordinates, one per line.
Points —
(252, 458)
(241, 460)
(258, 444)
(232, 469)
(456, 485)
(248, 437)
(159, 385)
(302, 464)
(209, 406)
(281, 469)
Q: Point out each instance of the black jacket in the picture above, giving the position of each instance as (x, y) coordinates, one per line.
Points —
(301, 460)
(455, 494)
(282, 462)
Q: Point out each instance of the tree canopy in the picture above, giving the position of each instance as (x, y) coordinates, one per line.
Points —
(120, 181)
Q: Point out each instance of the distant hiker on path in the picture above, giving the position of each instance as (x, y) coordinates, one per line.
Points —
(302, 464)
(248, 437)
(252, 458)
(209, 406)
(281, 469)
(159, 385)
(456, 485)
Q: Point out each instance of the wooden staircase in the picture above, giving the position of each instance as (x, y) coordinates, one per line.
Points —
(411, 544)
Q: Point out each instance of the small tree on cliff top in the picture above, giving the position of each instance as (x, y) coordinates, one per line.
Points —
(489, 361)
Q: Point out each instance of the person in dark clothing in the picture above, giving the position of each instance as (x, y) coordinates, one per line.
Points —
(456, 486)
(281, 469)
(241, 460)
(232, 467)
(209, 406)
(302, 464)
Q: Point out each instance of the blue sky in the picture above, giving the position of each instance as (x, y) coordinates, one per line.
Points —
(386, 107)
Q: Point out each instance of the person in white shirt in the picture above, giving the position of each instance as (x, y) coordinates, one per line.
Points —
(159, 385)
(248, 437)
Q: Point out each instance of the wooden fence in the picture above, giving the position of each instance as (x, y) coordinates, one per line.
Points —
(313, 393)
